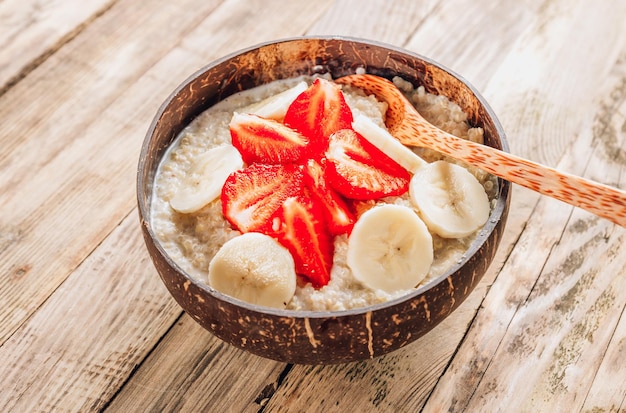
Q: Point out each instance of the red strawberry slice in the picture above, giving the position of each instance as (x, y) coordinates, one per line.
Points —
(252, 195)
(299, 226)
(359, 170)
(318, 112)
(336, 212)
(266, 140)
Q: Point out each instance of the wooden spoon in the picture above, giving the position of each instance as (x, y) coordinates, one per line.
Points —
(409, 127)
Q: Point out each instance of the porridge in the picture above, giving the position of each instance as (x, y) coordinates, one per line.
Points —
(257, 192)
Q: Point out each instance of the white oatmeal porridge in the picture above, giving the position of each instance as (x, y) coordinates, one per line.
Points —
(193, 239)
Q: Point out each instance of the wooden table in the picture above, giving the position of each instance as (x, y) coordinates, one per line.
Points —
(85, 322)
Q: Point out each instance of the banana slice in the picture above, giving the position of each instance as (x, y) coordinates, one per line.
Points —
(255, 268)
(384, 141)
(203, 182)
(450, 199)
(390, 248)
(275, 107)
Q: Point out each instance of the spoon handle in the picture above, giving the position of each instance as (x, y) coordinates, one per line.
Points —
(410, 128)
(599, 199)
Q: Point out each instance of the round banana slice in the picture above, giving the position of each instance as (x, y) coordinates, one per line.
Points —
(275, 107)
(255, 268)
(389, 145)
(203, 182)
(450, 199)
(390, 248)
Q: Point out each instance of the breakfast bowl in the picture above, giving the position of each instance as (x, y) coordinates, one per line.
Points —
(318, 336)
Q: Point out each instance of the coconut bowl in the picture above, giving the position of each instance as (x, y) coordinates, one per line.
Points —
(312, 337)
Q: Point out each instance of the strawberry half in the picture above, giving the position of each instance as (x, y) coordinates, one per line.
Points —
(359, 170)
(336, 212)
(299, 226)
(252, 195)
(266, 140)
(318, 112)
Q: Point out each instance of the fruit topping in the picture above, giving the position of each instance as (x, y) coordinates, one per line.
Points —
(275, 107)
(255, 268)
(450, 199)
(337, 214)
(273, 200)
(205, 178)
(390, 248)
(266, 140)
(359, 170)
(318, 112)
(383, 140)
(299, 226)
(311, 169)
(252, 195)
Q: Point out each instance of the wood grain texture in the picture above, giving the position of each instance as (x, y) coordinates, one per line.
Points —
(375, 19)
(62, 148)
(32, 30)
(191, 370)
(238, 24)
(72, 355)
(85, 323)
(538, 100)
(500, 342)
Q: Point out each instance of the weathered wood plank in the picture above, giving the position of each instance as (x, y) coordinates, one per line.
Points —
(566, 261)
(567, 323)
(31, 30)
(578, 312)
(473, 38)
(538, 92)
(263, 21)
(82, 344)
(45, 136)
(375, 19)
(609, 393)
(192, 370)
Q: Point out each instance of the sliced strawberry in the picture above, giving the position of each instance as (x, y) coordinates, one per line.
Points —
(299, 226)
(252, 195)
(361, 206)
(266, 140)
(318, 112)
(359, 170)
(336, 212)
